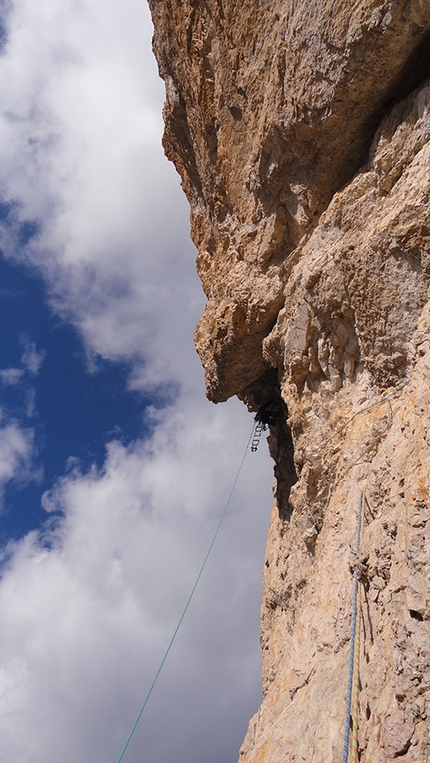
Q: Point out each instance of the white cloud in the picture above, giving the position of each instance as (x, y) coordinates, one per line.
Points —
(89, 607)
(80, 130)
(11, 376)
(30, 403)
(16, 453)
(31, 358)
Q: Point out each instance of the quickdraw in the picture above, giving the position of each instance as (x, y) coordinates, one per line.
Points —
(256, 435)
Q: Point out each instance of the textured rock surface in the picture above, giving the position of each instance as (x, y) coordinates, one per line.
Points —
(302, 135)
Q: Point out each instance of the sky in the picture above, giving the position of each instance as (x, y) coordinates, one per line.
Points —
(114, 468)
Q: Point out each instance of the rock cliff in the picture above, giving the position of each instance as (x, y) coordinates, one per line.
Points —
(301, 131)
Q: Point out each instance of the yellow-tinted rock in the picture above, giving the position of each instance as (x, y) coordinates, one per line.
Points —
(301, 131)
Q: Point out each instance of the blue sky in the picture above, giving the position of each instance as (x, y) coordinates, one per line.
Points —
(73, 409)
(114, 469)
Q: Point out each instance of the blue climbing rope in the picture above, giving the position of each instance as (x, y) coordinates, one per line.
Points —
(353, 635)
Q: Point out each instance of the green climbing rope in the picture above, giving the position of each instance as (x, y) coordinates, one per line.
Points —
(139, 715)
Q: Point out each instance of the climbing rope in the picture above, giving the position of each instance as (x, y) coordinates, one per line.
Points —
(356, 683)
(139, 715)
(351, 715)
(353, 673)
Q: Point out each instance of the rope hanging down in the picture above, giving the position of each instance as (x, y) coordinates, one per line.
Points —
(356, 684)
(133, 729)
(353, 654)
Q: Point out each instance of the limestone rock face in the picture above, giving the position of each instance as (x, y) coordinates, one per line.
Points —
(301, 131)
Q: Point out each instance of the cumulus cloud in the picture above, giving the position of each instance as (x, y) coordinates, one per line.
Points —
(90, 602)
(92, 200)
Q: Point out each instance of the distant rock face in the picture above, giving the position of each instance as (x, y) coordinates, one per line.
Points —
(301, 131)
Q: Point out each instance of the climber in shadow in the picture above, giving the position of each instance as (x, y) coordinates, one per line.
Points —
(274, 414)
(268, 414)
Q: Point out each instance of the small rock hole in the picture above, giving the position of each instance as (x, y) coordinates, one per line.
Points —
(416, 615)
(236, 113)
